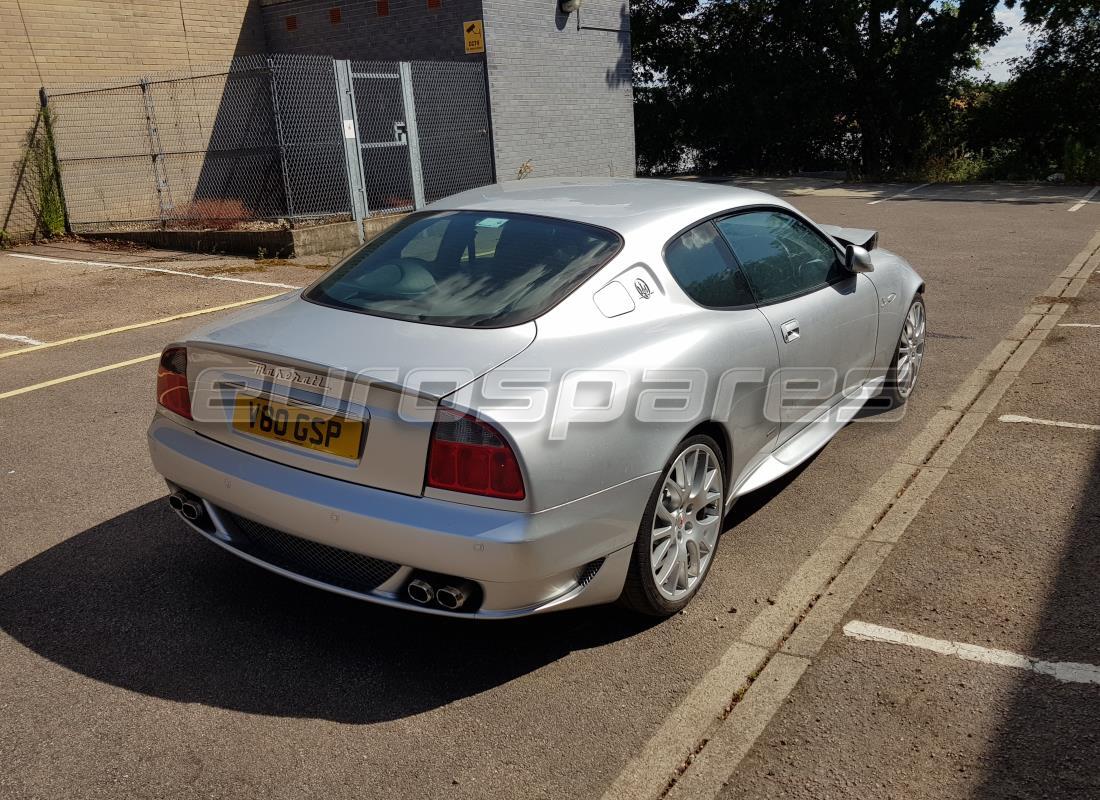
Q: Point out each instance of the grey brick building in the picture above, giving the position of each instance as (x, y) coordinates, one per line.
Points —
(559, 85)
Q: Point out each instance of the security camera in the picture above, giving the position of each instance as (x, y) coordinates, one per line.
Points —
(569, 6)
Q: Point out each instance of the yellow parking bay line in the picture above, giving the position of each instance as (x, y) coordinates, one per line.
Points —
(85, 374)
(136, 325)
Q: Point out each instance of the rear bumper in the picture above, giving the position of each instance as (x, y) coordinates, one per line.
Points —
(525, 563)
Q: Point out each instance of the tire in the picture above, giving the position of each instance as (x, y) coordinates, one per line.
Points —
(690, 533)
(899, 387)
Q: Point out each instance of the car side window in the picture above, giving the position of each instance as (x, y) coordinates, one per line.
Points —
(780, 254)
(425, 244)
(701, 263)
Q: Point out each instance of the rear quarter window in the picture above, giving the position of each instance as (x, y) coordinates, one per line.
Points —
(705, 269)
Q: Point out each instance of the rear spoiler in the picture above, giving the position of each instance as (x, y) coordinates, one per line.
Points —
(868, 240)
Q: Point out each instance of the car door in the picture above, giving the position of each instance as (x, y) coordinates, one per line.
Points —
(825, 318)
(745, 351)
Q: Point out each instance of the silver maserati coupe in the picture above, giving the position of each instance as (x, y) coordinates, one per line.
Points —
(534, 396)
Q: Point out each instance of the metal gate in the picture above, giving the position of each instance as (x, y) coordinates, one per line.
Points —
(414, 132)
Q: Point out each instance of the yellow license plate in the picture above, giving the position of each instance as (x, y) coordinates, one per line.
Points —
(304, 427)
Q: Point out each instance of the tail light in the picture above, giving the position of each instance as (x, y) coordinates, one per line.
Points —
(172, 381)
(468, 455)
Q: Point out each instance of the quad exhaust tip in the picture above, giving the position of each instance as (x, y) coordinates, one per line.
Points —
(454, 597)
(420, 591)
(186, 505)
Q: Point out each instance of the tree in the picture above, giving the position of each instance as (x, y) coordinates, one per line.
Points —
(777, 84)
(1053, 13)
(663, 46)
(900, 61)
(1053, 101)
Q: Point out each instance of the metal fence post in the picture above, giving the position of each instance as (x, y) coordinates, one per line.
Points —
(353, 153)
(275, 112)
(405, 70)
(160, 175)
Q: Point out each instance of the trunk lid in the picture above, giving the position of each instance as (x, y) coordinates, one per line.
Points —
(305, 363)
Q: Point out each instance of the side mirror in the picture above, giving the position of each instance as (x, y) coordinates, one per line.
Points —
(856, 259)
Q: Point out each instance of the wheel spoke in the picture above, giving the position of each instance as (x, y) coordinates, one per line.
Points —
(692, 564)
(714, 499)
(683, 479)
(665, 571)
(662, 550)
(902, 377)
(707, 526)
(681, 568)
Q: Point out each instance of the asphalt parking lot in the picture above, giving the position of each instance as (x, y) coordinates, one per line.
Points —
(141, 661)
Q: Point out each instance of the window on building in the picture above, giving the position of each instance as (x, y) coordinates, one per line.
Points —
(383, 8)
(292, 23)
(334, 16)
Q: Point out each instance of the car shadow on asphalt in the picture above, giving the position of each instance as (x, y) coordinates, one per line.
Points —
(748, 504)
(143, 603)
(1048, 742)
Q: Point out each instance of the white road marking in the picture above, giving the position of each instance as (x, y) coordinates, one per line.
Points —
(1066, 671)
(85, 374)
(1084, 200)
(85, 336)
(112, 265)
(1079, 325)
(1052, 422)
(11, 337)
(899, 194)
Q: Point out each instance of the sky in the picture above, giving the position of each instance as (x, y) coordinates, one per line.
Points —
(995, 60)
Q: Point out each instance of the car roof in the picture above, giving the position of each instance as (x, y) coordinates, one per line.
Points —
(624, 205)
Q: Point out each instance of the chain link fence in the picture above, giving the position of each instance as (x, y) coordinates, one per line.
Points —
(270, 141)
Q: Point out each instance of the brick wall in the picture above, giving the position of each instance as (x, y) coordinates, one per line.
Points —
(68, 42)
(560, 96)
(408, 30)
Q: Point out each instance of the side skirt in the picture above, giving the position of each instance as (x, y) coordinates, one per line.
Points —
(808, 441)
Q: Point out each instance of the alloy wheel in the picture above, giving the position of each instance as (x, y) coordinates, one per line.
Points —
(910, 350)
(686, 522)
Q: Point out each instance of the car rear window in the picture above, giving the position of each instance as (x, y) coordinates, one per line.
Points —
(467, 269)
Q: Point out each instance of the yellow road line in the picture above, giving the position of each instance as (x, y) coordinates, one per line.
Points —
(85, 374)
(137, 325)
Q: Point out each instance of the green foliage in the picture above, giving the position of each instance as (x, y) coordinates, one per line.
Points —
(40, 182)
(941, 169)
(873, 87)
(1080, 162)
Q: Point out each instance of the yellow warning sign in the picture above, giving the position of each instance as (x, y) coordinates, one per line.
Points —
(475, 36)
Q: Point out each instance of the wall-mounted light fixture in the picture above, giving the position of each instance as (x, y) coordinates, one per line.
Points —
(569, 6)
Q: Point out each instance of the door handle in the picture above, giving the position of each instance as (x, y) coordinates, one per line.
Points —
(790, 330)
